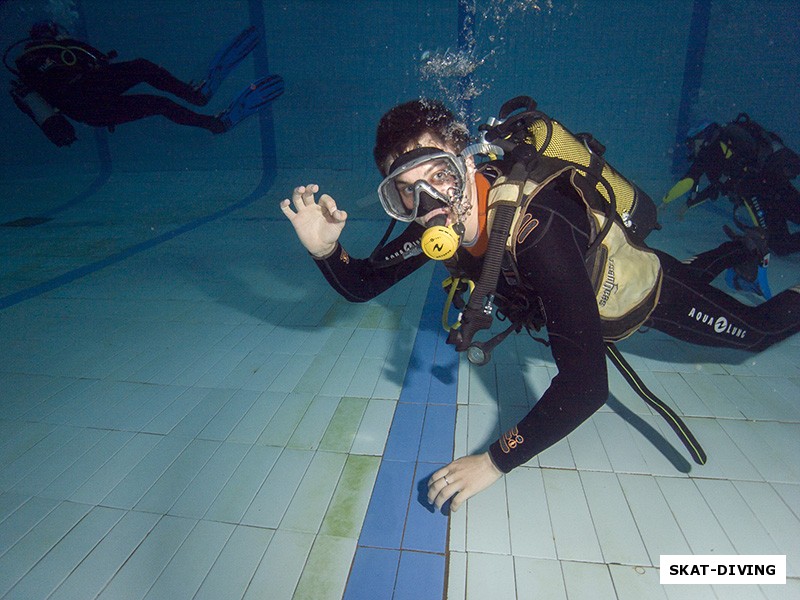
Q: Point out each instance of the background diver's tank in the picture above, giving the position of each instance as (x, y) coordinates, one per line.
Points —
(54, 125)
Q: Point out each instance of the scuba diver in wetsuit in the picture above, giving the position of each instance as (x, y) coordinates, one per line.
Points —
(754, 170)
(61, 76)
(432, 183)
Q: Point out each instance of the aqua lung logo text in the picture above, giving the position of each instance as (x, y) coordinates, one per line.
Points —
(609, 285)
(408, 250)
(49, 62)
(718, 324)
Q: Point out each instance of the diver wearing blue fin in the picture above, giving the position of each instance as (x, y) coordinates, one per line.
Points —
(525, 233)
(750, 275)
(741, 283)
(226, 60)
(753, 168)
(59, 79)
(254, 97)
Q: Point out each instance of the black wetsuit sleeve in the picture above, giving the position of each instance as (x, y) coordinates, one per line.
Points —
(550, 262)
(360, 280)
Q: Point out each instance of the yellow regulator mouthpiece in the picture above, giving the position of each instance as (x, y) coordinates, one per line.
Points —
(440, 242)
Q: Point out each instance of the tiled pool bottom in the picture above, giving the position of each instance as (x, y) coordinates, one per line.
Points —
(205, 418)
(200, 390)
(590, 517)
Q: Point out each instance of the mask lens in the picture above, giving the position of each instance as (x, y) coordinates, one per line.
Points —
(392, 202)
(429, 173)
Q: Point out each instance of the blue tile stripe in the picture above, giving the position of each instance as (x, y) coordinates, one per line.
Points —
(401, 550)
(692, 80)
(83, 271)
(465, 29)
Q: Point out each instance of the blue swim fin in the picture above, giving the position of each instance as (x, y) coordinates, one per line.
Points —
(254, 97)
(227, 59)
(759, 286)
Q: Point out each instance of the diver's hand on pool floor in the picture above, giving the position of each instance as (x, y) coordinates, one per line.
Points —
(317, 224)
(462, 479)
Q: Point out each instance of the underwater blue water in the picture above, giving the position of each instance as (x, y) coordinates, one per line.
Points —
(162, 262)
(614, 68)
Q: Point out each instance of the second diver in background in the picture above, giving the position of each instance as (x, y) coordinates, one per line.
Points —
(59, 77)
(754, 170)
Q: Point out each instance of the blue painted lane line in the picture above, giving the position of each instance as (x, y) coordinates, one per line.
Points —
(83, 271)
(403, 541)
(374, 573)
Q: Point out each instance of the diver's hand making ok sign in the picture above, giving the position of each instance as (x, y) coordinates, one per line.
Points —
(317, 224)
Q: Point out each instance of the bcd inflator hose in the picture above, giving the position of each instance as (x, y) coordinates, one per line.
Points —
(478, 313)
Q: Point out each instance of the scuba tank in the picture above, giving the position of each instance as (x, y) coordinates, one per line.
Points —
(545, 146)
(52, 123)
(537, 149)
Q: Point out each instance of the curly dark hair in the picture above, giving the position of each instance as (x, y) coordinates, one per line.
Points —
(407, 122)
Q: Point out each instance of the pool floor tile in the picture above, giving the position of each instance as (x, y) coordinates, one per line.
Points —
(173, 429)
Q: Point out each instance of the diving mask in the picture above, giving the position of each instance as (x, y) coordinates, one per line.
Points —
(423, 180)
